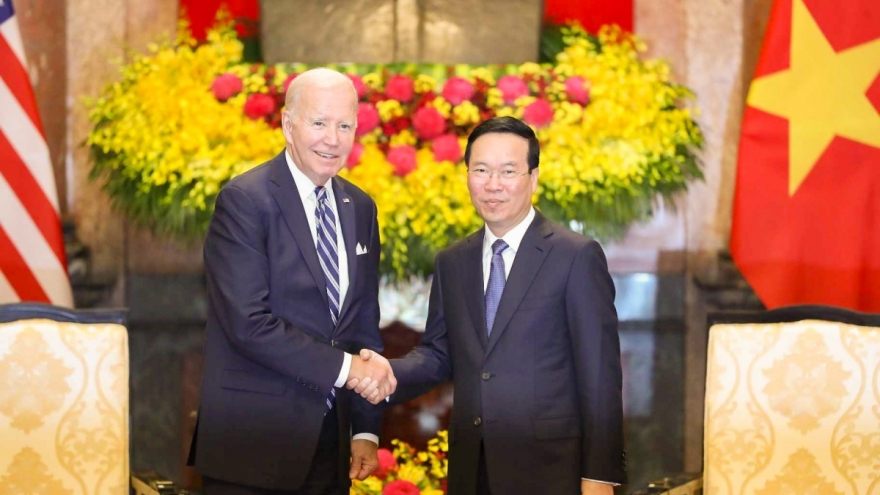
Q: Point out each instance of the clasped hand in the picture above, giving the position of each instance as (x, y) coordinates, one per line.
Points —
(371, 376)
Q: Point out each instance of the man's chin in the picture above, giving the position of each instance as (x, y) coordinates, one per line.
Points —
(330, 170)
(492, 212)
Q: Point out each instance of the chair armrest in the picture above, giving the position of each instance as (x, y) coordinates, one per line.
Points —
(680, 484)
(151, 483)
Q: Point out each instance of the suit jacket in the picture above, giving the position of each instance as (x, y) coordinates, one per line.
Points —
(543, 393)
(272, 352)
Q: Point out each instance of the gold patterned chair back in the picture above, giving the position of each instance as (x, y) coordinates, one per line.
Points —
(793, 408)
(63, 407)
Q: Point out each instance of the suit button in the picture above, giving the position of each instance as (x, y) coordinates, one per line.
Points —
(478, 422)
(486, 375)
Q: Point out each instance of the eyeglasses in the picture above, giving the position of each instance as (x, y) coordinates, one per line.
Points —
(482, 174)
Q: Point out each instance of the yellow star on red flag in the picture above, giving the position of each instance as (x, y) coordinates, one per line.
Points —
(822, 94)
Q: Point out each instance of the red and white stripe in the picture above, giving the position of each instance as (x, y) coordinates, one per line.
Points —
(32, 260)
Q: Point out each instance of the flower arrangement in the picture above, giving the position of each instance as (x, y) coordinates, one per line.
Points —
(614, 130)
(407, 471)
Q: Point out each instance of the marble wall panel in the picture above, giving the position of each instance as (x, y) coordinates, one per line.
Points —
(380, 31)
(43, 24)
(722, 42)
(95, 40)
(101, 35)
(480, 31)
(359, 31)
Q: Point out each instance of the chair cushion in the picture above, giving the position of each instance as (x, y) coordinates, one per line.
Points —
(792, 408)
(63, 408)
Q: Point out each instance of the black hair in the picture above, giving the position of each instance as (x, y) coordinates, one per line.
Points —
(506, 125)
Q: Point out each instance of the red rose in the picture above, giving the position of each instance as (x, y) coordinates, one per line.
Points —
(359, 85)
(446, 148)
(400, 88)
(576, 90)
(259, 105)
(512, 87)
(225, 86)
(401, 123)
(387, 462)
(367, 118)
(388, 129)
(457, 90)
(354, 158)
(401, 487)
(287, 82)
(539, 113)
(403, 158)
(428, 123)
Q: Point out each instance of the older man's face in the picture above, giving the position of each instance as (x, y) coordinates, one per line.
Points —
(320, 130)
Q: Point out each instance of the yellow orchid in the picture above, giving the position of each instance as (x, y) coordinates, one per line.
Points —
(165, 144)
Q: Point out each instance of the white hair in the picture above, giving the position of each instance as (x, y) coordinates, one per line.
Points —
(320, 77)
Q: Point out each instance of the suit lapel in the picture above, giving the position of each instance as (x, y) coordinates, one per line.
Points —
(531, 254)
(472, 268)
(345, 209)
(287, 197)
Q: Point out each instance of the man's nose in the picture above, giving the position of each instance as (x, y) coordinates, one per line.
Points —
(494, 182)
(331, 136)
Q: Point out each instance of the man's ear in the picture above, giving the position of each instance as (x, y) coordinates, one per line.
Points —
(286, 125)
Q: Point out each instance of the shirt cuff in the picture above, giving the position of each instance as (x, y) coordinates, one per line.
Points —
(343, 373)
(603, 482)
(366, 436)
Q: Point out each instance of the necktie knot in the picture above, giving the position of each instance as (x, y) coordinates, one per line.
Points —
(499, 246)
(321, 193)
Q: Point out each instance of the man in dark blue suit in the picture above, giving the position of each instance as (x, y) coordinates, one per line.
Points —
(521, 318)
(291, 259)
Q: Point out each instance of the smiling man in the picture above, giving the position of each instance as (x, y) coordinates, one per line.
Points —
(522, 319)
(292, 259)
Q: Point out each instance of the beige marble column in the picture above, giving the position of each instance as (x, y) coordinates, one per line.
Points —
(148, 253)
(95, 39)
(713, 47)
(42, 33)
(100, 36)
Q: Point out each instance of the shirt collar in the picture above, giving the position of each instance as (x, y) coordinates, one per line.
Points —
(304, 185)
(513, 237)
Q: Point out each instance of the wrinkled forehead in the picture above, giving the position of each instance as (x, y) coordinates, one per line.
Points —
(332, 102)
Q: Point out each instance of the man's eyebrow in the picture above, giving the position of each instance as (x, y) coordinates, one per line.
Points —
(509, 163)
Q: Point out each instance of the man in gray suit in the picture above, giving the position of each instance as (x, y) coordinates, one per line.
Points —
(521, 318)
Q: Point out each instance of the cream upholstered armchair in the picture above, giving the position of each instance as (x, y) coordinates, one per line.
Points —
(64, 402)
(792, 403)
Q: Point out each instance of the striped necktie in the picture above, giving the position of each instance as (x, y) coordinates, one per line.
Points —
(328, 255)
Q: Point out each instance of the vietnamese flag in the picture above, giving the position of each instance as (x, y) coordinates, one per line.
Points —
(806, 215)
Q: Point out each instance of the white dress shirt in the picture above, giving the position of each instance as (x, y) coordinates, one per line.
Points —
(513, 238)
(306, 189)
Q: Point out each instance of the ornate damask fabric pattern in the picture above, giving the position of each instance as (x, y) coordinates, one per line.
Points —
(792, 408)
(63, 408)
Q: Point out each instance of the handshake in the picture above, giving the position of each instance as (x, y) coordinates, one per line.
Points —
(371, 376)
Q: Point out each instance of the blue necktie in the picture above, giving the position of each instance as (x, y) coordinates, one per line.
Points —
(496, 283)
(328, 255)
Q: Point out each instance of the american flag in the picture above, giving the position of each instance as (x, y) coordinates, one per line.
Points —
(32, 261)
